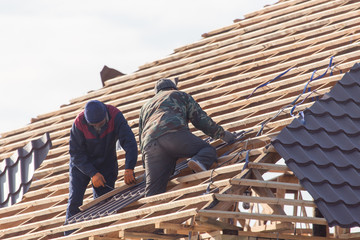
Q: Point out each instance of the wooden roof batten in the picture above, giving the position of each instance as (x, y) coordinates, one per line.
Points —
(220, 71)
(99, 91)
(104, 99)
(70, 121)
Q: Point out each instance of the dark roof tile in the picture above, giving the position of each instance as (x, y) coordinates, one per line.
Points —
(331, 174)
(324, 152)
(341, 214)
(331, 194)
(323, 138)
(344, 124)
(17, 171)
(308, 155)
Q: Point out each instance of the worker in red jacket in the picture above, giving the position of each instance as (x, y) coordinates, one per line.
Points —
(93, 139)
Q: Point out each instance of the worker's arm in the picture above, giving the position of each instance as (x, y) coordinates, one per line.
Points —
(199, 118)
(128, 143)
(77, 151)
(140, 127)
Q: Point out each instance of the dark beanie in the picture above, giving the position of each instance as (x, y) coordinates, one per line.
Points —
(164, 83)
(95, 111)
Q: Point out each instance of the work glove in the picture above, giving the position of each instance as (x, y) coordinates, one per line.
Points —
(228, 137)
(129, 176)
(98, 180)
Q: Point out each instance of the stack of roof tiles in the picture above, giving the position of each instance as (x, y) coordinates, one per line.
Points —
(252, 76)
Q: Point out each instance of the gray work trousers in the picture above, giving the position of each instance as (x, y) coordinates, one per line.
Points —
(160, 157)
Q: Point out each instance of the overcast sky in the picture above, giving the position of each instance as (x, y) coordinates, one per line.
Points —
(53, 51)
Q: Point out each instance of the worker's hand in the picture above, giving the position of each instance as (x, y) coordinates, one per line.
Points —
(129, 176)
(98, 180)
(228, 137)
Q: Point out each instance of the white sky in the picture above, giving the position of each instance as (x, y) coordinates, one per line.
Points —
(53, 51)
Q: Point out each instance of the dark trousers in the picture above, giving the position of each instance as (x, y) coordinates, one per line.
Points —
(77, 186)
(160, 157)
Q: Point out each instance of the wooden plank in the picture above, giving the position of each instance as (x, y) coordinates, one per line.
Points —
(45, 190)
(29, 226)
(132, 224)
(132, 235)
(250, 121)
(258, 50)
(111, 218)
(36, 202)
(240, 104)
(269, 166)
(35, 133)
(180, 192)
(207, 235)
(189, 201)
(182, 228)
(89, 191)
(266, 184)
(204, 221)
(206, 174)
(249, 111)
(49, 180)
(102, 238)
(266, 200)
(273, 65)
(278, 9)
(293, 92)
(27, 215)
(252, 81)
(269, 157)
(178, 55)
(222, 236)
(228, 169)
(274, 39)
(259, 100)
(282, 236)
(355, 235)
(300, 29)
(266, 192)
(264, 217)
(273, 227)
(64, 186)
(273, 25)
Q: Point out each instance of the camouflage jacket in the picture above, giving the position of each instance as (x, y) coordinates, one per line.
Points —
(170, 111)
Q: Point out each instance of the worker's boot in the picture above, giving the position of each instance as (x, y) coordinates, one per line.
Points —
(196, 166)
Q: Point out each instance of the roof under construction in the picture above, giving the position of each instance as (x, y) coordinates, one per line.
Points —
(284, 78)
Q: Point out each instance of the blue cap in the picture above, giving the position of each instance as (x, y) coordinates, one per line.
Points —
(95, 111)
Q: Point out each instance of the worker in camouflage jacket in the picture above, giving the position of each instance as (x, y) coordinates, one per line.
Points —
(164, 135)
